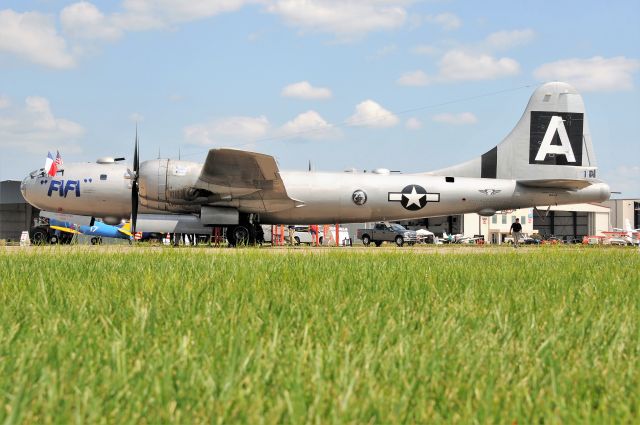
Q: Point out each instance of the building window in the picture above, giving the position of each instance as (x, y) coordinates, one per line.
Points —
(504, 219)
(103, 176)
(513, 218)
(523, 219)
(494, 219)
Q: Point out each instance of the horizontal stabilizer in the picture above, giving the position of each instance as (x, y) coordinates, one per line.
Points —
(566, 184)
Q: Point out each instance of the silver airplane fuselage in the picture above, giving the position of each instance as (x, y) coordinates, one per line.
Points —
(104, 190)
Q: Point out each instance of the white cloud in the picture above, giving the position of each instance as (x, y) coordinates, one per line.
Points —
(84, 20)
(33, 36)
(462, 118)
(502, 40)
(447, 21)
(304, 90)
(371, 114)
(309, 125)
(176, 11)
(413, 124)
(413, 78)
(5, 102)
(595, 74)
(227, 130)
(345, 19)
(457, 65)
(34, 128)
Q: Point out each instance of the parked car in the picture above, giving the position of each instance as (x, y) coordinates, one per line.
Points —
(390, 232)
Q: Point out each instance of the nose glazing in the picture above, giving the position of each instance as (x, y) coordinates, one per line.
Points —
(23, 188)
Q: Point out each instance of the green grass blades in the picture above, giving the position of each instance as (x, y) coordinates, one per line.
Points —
(136, 335)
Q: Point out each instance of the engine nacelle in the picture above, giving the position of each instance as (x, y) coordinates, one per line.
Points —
(168, 185)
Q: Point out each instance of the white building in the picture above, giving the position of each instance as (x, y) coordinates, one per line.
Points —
(565, 221)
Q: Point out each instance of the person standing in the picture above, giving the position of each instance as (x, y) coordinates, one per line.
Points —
(516, 232)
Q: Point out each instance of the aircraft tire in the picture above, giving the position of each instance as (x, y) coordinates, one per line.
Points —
(366, 240)
(399, 240)
(39, 236)
(238, 235)
(378, 243)
(53, 239)
(94, 241)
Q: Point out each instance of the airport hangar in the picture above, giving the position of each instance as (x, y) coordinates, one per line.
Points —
(566, 221)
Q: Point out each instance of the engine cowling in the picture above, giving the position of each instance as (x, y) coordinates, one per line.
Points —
(168, 185)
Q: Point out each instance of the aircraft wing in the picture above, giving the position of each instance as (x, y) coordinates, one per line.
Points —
(65, 229)
(245, 179)
(566, 184)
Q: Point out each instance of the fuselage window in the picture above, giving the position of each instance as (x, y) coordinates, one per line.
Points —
(449, 179)
(103, 176)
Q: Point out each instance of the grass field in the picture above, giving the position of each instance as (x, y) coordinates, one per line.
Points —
(130, 335)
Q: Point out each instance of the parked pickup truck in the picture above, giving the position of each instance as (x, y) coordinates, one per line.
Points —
(390, 232)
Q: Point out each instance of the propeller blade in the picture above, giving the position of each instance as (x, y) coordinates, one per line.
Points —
(136, 155)
(134, 184)
(134, 207)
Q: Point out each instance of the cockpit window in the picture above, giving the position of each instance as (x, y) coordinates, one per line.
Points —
(103, 176)
(37, 173)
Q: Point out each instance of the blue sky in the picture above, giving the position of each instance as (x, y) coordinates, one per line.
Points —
(406, 85)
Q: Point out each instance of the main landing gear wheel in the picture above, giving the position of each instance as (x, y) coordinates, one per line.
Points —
(399, 240)
(238, 235)
(366, 240)
(39, 237)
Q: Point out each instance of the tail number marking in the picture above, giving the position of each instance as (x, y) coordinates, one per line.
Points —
(564, 148)
(556, 138)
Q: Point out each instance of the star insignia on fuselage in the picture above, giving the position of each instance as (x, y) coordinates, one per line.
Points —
(413, 197)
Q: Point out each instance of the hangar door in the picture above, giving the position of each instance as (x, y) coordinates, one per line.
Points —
(563, 224)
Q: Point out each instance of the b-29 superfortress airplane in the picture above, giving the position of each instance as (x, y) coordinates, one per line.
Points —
(547, 159)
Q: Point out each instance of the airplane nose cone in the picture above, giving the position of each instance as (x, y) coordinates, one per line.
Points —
(23, 188)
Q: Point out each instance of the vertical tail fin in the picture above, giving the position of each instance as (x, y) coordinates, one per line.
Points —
(551, 141)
